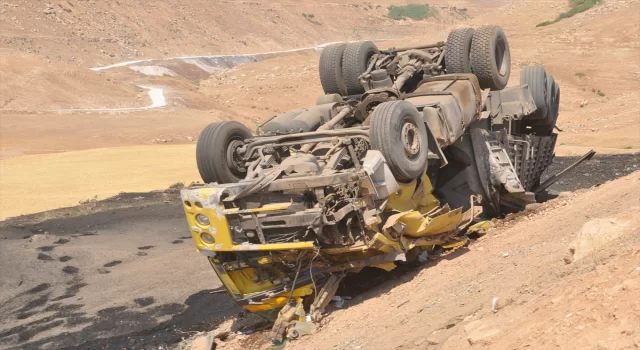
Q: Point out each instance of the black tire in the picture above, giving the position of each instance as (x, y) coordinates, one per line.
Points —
(545, 128)
(490, 57)
(354, 63)
(536, 78)
(330, 69)
(553, 100)
(457, 56)
(389, 122)
(212, 152)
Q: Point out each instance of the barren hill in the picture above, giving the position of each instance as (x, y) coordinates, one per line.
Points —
(99, 32)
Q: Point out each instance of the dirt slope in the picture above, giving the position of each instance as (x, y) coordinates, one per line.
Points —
(542, 301)
(93, 33)
(122, 273)
(30, 83)
(599, 102)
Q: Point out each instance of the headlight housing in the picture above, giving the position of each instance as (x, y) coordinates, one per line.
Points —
(203, 220)
(207, 237)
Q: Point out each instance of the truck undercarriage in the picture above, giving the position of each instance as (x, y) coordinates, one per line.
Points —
(408, 149)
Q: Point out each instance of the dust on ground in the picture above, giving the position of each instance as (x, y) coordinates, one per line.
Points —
(521, 285)
(572, 50)
(122, 272)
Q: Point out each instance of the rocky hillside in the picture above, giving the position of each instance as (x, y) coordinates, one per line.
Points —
(88, 32)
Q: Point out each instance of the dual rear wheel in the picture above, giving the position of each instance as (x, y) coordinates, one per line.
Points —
(342, 64)
(483, 52)
(546, 95)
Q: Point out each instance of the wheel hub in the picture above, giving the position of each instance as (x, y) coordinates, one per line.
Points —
(232, 157)
(410, 139)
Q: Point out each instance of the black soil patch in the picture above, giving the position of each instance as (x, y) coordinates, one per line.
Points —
(40, 301)
(72, 270)
(594, 172)
(61, 241)
(26, 315)
(65, 258)
(142, 302)
(142, 254)
(39, 288)
(113, 263)
(74, 287)
(146, 247)
(110, 311)
(44, 257)
(46, 248)
(123, 328)
(88, 233)
(185, 237)
(64, 308)
(177, 241)
(103, 271)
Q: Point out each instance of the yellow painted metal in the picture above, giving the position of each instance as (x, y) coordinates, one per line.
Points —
(480, 227)
(384, 244)
(280, 300)
(219, 226)
(240, 283)
(455, 245)
(413, 200)
(272, 246)
(410, 197)
(346, 250)
(416, 225)
(402, 199)
(388, 266)
(266, 207)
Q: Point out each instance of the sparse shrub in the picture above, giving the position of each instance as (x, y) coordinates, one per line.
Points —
(177, 186)
(628, 147)
(413, 11)
(545, 23)
(310, 17)
(577, 6)
(580, 74)
(600, 93)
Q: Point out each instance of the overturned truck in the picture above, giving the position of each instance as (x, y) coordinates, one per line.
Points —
(408, 149)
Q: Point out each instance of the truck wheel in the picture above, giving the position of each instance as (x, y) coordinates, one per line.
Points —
(553, 100)
(215, 152)
(400, 121)
(490, 57)
(536, 78)
(330, 69)
(553, 105)
(354, 63)
(456, 57)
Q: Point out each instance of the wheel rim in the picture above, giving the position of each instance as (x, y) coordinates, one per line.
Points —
(233, 160)
(499, 53)
(411, 139)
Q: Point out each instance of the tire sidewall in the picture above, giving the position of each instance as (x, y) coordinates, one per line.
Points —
(211, 151)
(386, 136)
(500, 80)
